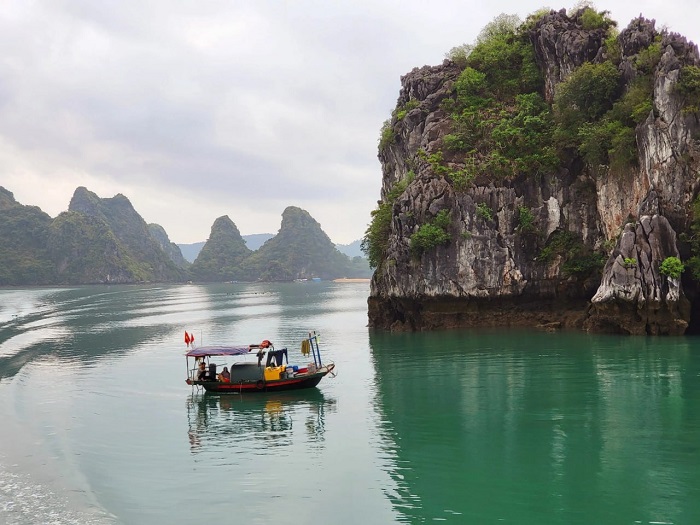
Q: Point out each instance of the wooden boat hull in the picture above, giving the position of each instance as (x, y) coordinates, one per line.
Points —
(276, 385)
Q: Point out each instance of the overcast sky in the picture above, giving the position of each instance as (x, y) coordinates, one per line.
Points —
(197, 109)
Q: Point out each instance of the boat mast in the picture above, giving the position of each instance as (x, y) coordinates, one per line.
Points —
(315, 351)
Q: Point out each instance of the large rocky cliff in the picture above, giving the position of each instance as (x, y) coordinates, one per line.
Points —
(575, 243)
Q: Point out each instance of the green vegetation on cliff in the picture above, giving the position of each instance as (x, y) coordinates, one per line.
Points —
(502, 127)
(579, 260)
(432, 233)
(106, 241)
(221, 257)
(375, 241)
(689, 87)
(300, 250)
(143, 257)
(671, 267)
(85, 250)
(501, 124)
(691, 240)
(24, 258)
(597, 119)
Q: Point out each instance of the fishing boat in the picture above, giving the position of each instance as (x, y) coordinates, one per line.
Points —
(240, 369)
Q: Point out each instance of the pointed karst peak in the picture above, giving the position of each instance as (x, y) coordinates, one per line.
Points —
(224, 226)
(294, 218)
(7, 199)
(87, 202)
(120, 200)
(300, 228)
(83, 200)
(82, 191)
(222, 254)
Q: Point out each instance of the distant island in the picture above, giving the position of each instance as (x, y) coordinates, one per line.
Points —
(104, 240)
(256, 240)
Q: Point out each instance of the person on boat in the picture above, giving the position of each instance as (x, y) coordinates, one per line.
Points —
(202, 373)
(224, 376)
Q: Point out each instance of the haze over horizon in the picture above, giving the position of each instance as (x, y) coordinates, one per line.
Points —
(194, 110)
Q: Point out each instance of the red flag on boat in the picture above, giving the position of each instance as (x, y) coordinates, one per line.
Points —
(191, 338)
(187, 338)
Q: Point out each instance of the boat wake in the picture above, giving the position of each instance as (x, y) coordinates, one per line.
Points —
(24, 501)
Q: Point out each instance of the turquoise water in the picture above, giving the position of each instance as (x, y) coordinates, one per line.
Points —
(457, 427)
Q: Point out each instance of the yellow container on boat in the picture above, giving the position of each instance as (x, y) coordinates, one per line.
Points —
(273, 373)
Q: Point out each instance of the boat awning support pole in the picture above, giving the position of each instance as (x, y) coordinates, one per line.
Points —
(315, 351)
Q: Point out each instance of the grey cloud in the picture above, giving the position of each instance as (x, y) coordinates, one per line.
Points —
(232, 101)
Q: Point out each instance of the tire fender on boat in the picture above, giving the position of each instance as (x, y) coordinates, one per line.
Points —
(259, 385)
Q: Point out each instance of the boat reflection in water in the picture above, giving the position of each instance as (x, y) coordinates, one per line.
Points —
(270, 420)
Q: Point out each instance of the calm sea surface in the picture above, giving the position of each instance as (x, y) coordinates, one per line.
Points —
(97, 425)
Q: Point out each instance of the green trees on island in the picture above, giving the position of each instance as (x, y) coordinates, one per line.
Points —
(24, 257)
(85, 250)
(300, 250)
(221, 256)
(501, 126)
(106, 241)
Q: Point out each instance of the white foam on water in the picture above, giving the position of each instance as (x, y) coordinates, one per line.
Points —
(35, 488)
(23, 501)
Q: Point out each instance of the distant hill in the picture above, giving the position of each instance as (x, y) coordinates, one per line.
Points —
(351, 250)
(300, 250)
(190, 251)
(133, 248)
(104, 240)
(24, 256)
(95, 241)
(85, 250)
(253, 242)
(222, 254)
(256, 240)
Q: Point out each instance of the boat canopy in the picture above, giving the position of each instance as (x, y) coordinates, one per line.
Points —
(204, 351)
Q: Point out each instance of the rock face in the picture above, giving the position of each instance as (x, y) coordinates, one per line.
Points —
(633, 296)
(562, 45)
(497, 268)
